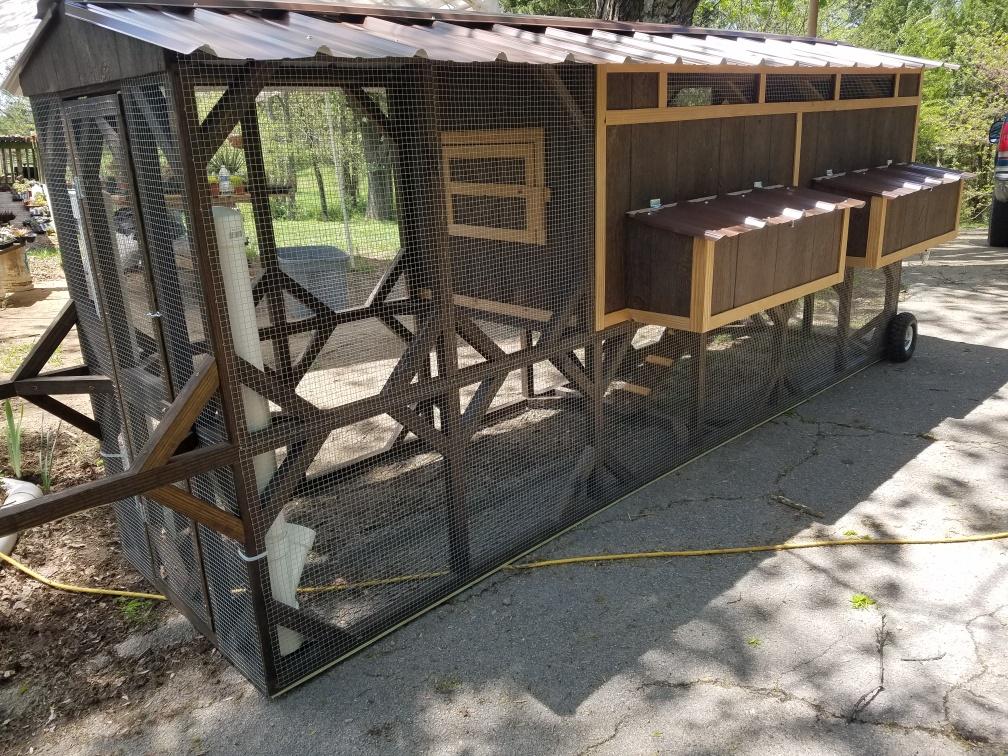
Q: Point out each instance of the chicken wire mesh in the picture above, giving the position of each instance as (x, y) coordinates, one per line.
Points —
(395, 275)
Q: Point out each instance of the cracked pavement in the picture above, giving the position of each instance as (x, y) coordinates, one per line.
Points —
(753, 654)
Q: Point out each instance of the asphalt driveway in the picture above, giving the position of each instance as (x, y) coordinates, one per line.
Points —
(763, 653)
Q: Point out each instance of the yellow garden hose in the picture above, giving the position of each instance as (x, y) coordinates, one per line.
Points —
(559, 562)
(77, 588)
(754, 549)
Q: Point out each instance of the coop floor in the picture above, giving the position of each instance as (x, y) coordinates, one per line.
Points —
(741, 654)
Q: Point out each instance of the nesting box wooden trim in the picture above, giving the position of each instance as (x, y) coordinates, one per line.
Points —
(697, 112)
(663, 112)
(526, 145)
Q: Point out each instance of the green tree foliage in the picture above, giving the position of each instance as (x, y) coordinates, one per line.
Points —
(958, 106)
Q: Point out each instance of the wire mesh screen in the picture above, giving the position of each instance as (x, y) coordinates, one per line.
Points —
(861, 86)
(802, 88)
(81, 277)
(692, 89)
(393, 265)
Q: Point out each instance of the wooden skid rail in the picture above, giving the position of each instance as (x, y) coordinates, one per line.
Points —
(152, 473)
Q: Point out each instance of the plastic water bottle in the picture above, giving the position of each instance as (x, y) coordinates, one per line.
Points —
(224, 181)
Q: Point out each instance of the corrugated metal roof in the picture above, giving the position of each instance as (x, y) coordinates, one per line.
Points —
(228, 31)
(741, 212)
(287, 29)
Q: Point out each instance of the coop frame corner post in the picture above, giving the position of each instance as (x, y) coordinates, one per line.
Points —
(200, 209)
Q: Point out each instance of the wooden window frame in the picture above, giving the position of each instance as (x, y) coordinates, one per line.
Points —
(527, 145)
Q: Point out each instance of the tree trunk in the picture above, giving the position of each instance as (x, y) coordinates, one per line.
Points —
(291, 164)
(657, 11)
(380, 204)
(324, 206)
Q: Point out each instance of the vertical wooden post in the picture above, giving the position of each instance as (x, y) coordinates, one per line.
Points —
(413, 116)
(208, 267)
(259, 194)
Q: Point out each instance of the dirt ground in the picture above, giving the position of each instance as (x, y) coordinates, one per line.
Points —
(58, 658)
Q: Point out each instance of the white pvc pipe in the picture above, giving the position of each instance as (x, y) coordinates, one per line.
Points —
(287, 544)
(18, 492)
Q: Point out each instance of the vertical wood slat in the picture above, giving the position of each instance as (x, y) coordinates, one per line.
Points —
(796, 164)
(263, 220)
(199, 206)
(600, 196)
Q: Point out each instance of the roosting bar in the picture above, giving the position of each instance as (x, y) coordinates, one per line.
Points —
(375, 300)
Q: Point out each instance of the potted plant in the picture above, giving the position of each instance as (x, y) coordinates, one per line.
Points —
(214, 185)
(238, 183)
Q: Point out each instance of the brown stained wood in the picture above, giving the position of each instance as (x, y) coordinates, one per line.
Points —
(97, 56)
(754, 272)
(782, 150)
(617, 201)
(730, 157)
(795, 245)
(653, 167)
(237, 101)
(909, 85)
(176, 423)
(132, 482)
(699, 143)
(809, 147)
(824, 248)
(67, 414)
(645, 90)
(898, 215)
(47, 385)
(632, 90)
(756, 153)
(48, 342)
(723, 286)
(658, 270)
(183, 502)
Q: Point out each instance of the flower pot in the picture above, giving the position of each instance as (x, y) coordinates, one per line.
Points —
(15, 275)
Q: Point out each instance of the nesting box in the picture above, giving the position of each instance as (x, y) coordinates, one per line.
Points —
(908, 208)
(373, 301)
(701, 264)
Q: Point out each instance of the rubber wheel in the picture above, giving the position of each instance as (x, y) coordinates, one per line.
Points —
(901, 337)
(997, 236)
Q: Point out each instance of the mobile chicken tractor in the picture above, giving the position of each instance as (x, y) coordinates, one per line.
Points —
(373, 300)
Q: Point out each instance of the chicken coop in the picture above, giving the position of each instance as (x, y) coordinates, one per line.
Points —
(374, 301)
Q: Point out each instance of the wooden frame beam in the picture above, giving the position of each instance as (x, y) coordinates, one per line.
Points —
(132, 482)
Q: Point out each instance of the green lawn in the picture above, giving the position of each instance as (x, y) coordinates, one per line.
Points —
(370, 238)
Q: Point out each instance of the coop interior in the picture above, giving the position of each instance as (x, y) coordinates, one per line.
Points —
(439, 311)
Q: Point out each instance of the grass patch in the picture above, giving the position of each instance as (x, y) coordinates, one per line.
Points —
(371, 238)
(136, 611)
(44, 253)
(447, 685)
(862, 601)
(12, 355)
